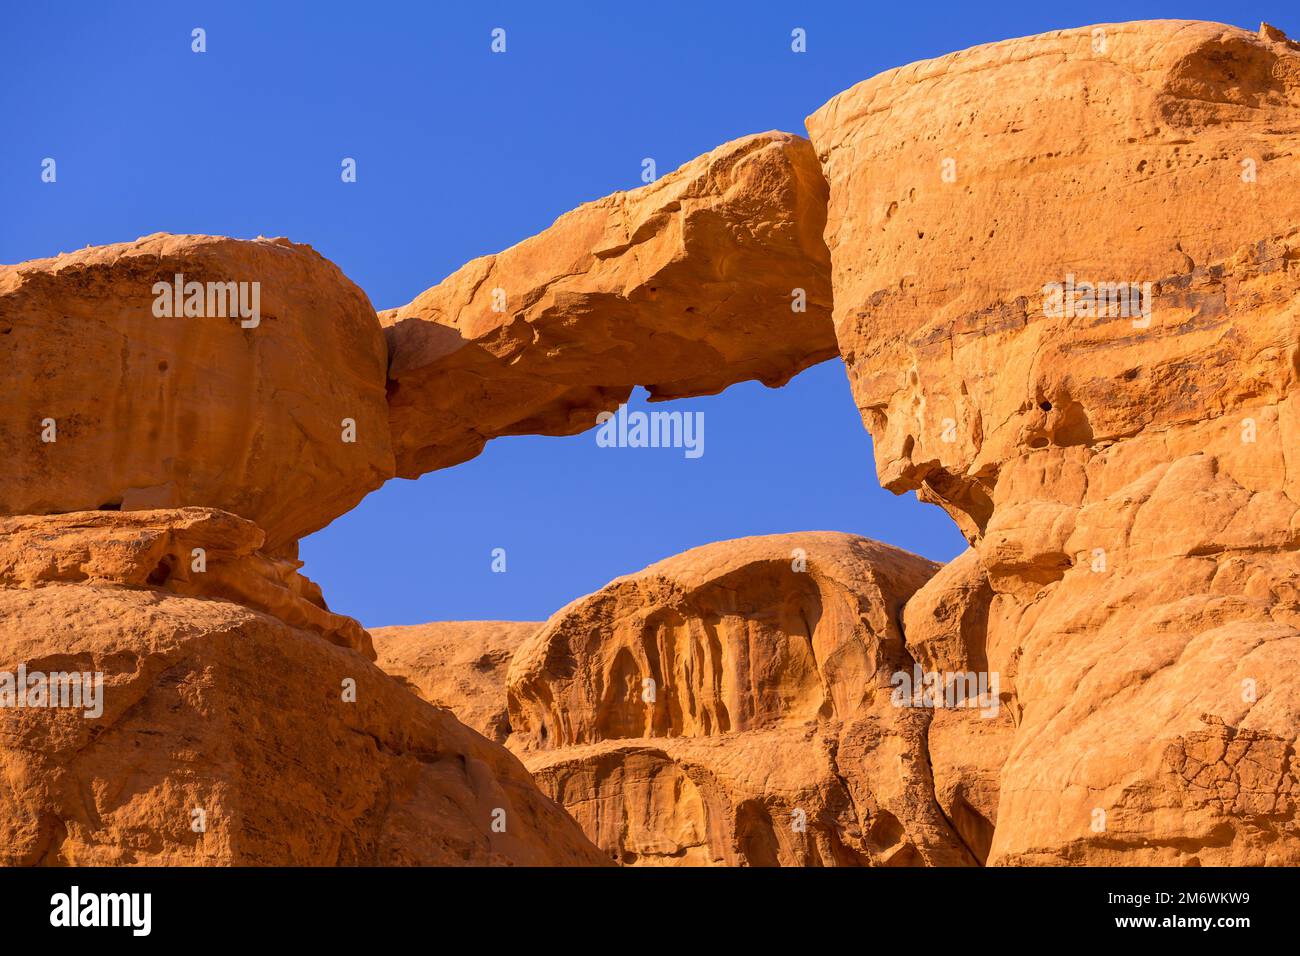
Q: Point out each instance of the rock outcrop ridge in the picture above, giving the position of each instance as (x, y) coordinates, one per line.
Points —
(229, 737)
(735, 705)
(1065, 274)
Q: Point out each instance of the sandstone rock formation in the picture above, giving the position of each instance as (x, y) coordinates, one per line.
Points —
(734, 704)
(1065, 273)
(459, 665)
(157, 411)
(685, 286)
(945, 626)
(228, 734)
(1122, 456)
(198, 552)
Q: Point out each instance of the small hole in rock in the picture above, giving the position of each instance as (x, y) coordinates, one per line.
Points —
(160, 574)
(162, 366)
(1045, 406)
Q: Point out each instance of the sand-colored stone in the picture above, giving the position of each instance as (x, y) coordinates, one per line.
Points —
(198, 552)
(758, 798)
(209, 705)
(1129, 485)
(772, 660)
(156, 412)
(459, 665)
(945, 626)
(684, 286)
(1131, 489)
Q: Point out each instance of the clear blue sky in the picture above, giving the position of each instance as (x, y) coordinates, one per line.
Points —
(459, 153)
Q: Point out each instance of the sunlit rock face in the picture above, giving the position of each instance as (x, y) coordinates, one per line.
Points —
(714, 274)
(229, 387)
(1065, 289)
(735, 705)
(198, 552)
(1064, 273)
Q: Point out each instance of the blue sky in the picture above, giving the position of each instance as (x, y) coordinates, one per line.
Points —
(459, 153)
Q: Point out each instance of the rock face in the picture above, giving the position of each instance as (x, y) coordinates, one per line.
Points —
(715, 274)
(112, 405)
(734, 705)
(226, 734)
(1100, 386)
(459, 665)
(198, 552)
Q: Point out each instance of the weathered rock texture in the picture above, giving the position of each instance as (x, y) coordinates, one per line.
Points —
(684, 286)
(238, 710)
(157, 412)
(198, 552)
(459, 665)
(768, 734)
(945, 626)
(1130, 487)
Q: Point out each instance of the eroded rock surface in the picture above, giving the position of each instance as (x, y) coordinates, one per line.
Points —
(157, 411)
(753, 678)
(460, 665)
(945, 626)
(210, 706)
(1123, 459)
(729, 706)
(684, 286)
(199, 552)
(228, 729)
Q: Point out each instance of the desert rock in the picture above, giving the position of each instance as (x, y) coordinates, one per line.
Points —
(1099, 385)
(756, 677)
(200, 552)
(459, 665)
(226, 735)
(714, 274)
(945, 626)
(109, 405)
